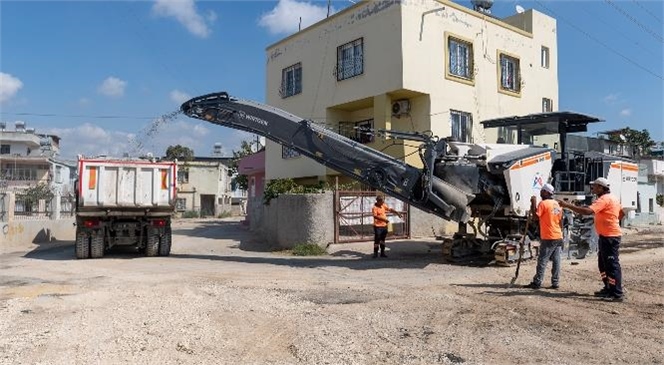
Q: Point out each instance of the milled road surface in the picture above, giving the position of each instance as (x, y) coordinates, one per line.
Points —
(223, 298)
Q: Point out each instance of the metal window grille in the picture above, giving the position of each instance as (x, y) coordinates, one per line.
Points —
(460, 56)
(181, 204)
(291, 80)
(509, 73)
(350, 59)
(547, 105)
(461, 125)
(183, 176)
(361, 131)
(288, 153)
(4, 149)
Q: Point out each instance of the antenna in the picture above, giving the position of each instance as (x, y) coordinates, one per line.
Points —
(520, 9)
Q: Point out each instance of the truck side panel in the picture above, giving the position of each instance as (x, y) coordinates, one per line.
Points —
(126, 184)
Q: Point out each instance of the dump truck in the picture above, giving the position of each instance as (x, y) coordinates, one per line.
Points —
(484, 187)
(124, 202)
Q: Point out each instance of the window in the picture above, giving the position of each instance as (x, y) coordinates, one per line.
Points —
(181, 204)
(460, 58)
(287, 153)
(4, 149)
(183, 176)
(506, 135)
(651, 205)
(547, 105)
(291, 80)
(361, 131)
(350, 59)
(461, 125)
(545, 57)
(20, 172)
(509, 74)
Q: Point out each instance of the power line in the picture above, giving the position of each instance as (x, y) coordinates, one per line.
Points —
(571, 24)
(630, 17)
(617, 31)
(77, 116)
(647, 11)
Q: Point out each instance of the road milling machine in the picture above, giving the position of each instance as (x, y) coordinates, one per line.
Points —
(486, 188)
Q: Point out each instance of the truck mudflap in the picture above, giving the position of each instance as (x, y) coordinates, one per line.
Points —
(419, 187)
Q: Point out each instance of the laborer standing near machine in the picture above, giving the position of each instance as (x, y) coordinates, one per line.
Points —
(379, 212)
(550, 215)
(608, 213)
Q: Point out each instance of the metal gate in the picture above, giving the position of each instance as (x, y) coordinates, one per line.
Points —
(354, 220)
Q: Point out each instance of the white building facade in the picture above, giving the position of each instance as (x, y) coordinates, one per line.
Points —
(410, 65)
(204, 186)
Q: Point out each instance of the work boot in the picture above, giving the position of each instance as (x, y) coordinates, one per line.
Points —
(604, 292)
(554, 286)
(613, 298)
(382, 254)
(375, 255)
(532, 286)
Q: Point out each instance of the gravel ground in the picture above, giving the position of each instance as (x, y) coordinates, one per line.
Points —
(224, 298)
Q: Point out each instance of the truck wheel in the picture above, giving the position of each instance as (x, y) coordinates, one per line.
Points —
(165, 243)
(152, 246)
(82, 245)
(97, 245)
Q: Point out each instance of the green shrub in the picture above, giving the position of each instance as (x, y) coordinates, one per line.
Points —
(660, 200)
(277, 187)
(224, 214)
(308, 249)
(190, 214)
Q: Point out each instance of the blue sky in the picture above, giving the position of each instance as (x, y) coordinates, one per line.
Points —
(98, 72)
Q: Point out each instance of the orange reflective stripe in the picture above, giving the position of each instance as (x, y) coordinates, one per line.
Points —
(92, 182)
(612, 281)
(625, 166)
(531, 161)
(603, 275)
(164, 179)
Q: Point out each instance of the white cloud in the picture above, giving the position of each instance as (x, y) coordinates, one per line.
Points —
(185, 12)
(84, 101)
(179, 97)
(611, 99)
(9, 86)
(285, 16)
(626, 112)
(90, 140)
(112, 87)
(200, 131)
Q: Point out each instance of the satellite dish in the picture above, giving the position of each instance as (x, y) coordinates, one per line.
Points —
(520, 9)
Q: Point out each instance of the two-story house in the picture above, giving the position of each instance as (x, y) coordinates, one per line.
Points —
(204, 186)
(28, 158)
(410, 66)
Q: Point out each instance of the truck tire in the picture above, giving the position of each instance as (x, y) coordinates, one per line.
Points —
(97, 245)
(165, 243)
(82, 245)
(152, 245)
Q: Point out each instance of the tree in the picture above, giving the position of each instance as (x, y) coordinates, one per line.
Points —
(240, 181)
(181, 153)
(639, 140)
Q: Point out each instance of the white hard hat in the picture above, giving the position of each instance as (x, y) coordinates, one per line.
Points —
(601, 182)
(548, 188)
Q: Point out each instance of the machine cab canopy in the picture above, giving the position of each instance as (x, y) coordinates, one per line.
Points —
(533, 128)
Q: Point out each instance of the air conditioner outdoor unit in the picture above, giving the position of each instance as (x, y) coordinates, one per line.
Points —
(400, 107)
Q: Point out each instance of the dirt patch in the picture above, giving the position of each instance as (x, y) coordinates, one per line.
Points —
(222, 297)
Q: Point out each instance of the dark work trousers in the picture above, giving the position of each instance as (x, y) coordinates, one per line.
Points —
(548, 250)
(609, 264)
(379, 238)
